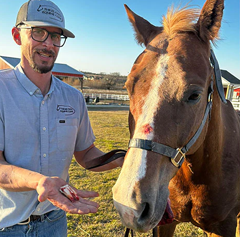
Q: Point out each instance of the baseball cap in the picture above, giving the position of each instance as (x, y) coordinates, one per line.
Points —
(42, 13)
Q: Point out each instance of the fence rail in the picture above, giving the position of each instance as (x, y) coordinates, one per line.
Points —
(94, 96)
(236, 104)
(105, 96)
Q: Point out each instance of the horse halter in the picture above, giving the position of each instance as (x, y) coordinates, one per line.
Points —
(178, 155)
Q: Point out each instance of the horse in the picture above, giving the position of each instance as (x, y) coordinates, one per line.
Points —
(183, 159)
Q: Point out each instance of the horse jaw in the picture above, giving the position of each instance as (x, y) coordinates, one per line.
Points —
(140, 210)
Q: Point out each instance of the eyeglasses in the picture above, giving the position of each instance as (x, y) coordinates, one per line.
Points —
(41, 35)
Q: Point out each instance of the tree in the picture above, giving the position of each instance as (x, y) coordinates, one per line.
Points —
(110, 82)
(116, 74)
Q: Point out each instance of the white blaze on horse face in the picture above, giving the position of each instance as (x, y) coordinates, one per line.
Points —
(135, 165)
(145, 123)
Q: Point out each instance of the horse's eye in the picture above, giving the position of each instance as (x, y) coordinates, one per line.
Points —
(194, 97)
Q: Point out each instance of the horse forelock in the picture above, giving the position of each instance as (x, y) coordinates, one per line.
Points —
(180, 20)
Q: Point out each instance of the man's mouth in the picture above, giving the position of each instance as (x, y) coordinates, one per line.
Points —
(45, 53)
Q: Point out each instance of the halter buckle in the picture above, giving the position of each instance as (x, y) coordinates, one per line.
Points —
(178, 158)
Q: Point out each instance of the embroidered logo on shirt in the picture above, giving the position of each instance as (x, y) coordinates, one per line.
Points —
(66, 109)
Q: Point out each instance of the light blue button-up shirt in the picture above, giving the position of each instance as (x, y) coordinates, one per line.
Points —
(39, 133)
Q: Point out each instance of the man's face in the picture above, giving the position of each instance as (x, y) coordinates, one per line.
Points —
(40, 55)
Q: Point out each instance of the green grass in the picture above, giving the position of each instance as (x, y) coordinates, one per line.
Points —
(111, 131)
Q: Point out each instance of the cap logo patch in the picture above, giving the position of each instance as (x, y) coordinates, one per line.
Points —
(50, 11)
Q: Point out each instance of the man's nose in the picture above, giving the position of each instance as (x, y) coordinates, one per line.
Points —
(48, 42)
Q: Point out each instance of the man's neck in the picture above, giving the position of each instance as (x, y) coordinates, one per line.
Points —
(42, 81)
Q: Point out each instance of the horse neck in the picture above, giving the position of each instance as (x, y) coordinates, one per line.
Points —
(215, 133)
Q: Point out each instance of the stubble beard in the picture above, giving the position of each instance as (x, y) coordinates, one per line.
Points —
(43, 68)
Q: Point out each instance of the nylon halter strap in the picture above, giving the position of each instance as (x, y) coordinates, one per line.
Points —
(218, 76)
(178, 155)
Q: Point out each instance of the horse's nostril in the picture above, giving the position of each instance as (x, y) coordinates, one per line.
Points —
(145, 212)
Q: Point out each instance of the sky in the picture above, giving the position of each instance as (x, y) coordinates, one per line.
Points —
(105, 39)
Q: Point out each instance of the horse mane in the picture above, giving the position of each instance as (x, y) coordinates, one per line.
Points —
(180, 20)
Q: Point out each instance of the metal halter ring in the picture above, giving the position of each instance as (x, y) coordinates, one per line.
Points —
(178, 158)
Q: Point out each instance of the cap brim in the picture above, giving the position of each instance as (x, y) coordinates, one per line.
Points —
(66, 32)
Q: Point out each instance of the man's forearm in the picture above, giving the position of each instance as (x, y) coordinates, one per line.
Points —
(16, 179)
(91, 153)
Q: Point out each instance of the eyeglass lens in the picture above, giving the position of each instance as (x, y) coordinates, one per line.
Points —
(41, 35)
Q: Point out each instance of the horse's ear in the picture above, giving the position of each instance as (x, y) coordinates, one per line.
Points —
(144, 30)
(210, 19)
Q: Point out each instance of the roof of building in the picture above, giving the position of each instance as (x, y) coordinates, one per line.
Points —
(12, 62)
(230, 78)
(57, 68)
(64, 68)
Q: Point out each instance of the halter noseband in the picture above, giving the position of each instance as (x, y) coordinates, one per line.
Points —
(178, 155)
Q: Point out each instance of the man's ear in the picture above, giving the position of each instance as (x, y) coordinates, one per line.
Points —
(16, 35)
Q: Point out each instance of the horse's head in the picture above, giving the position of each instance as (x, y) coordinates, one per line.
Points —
(168, 89)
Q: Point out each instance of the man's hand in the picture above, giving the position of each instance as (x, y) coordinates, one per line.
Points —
(48, 189)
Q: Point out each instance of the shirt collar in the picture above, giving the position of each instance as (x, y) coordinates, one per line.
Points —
(28, 85)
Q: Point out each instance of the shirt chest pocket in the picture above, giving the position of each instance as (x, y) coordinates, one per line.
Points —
(67, 133)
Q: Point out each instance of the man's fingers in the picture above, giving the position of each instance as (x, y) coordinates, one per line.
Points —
(76, 207)
(88, 202)
(87, 194)
(87, 209)
(84, 204)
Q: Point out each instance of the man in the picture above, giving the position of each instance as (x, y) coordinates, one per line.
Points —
(43, 122)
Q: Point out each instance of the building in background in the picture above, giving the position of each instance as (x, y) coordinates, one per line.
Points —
(230, 85)
(60, 70)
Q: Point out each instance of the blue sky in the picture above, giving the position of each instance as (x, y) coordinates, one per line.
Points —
(104, 37)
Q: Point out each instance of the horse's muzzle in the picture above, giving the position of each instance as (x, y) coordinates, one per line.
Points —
(139, 220)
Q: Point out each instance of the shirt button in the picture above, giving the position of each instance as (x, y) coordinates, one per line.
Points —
(44, 155)
(44, 129)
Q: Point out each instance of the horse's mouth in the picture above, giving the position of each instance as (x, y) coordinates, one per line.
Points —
(167, 216)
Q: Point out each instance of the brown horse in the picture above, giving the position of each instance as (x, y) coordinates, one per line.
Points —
(175, 108)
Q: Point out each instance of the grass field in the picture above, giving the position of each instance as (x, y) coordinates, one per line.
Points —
(111, 131)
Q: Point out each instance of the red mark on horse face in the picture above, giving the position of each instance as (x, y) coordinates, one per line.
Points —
(146, 129)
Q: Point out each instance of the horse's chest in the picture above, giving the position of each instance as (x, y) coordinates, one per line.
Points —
(189, 210)
(189, 204)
